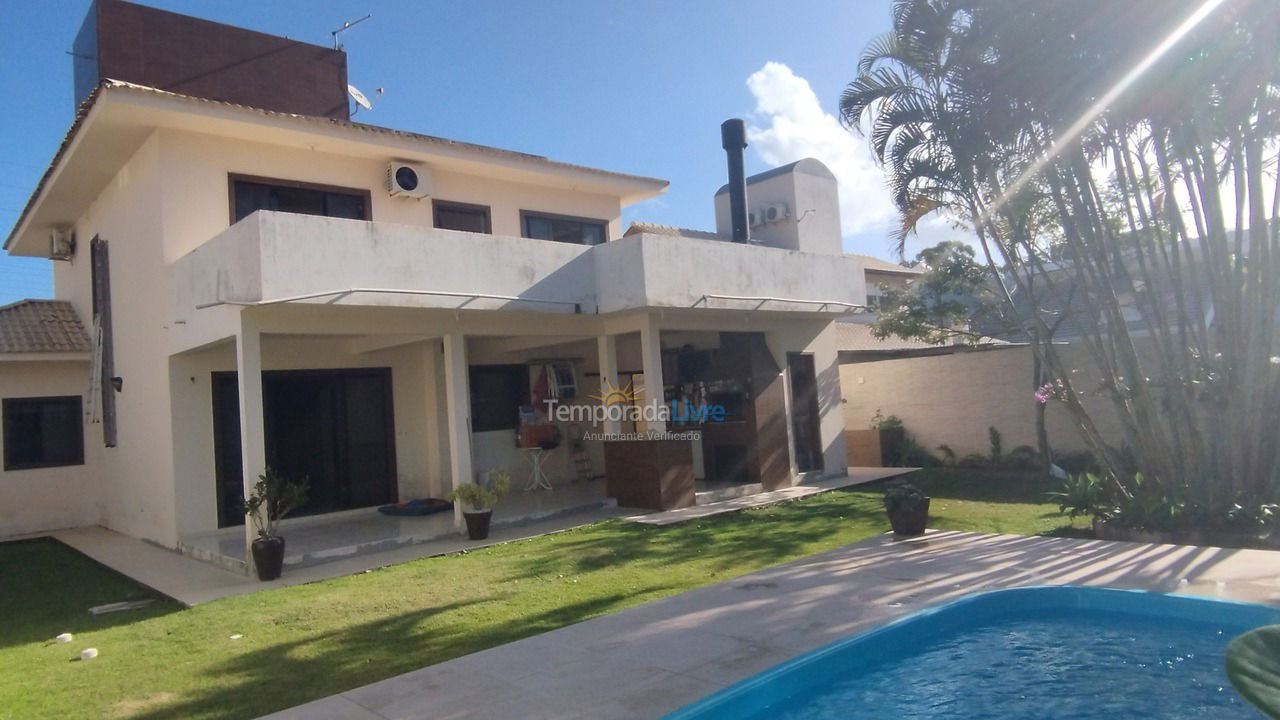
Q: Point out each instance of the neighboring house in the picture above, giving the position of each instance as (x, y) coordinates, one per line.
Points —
(244, 277)
(882, 275)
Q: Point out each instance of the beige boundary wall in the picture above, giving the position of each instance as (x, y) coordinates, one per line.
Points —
(953, 399)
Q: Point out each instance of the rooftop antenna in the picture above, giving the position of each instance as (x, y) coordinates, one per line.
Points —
(346, 26)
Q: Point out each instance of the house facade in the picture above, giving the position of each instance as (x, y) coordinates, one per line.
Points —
(382, 312)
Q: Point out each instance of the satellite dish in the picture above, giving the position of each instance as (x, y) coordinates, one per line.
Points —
(359, 97)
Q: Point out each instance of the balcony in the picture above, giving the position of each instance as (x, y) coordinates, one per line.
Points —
(273, 257)
(666, 271)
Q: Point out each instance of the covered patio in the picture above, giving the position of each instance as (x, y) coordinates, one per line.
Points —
(332, 537)
(381, 404)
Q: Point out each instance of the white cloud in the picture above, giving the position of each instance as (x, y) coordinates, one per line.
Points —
(790, 124)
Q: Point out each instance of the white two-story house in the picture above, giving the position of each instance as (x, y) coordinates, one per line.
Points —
(245, 277)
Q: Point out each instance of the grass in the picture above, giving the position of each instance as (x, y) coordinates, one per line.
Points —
(308, 641)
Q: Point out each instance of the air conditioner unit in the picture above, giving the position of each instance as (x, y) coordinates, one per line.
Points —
(775, 213)
(408, 180)
(62, 244)
(754, 219)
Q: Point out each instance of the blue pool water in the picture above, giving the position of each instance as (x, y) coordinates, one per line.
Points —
(1042, 653)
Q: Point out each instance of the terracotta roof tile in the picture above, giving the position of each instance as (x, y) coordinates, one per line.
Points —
(656, 229)
(41, 326)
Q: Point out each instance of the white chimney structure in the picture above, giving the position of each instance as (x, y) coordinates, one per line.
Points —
(795, 207)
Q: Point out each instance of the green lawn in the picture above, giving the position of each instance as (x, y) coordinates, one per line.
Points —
(308, 641)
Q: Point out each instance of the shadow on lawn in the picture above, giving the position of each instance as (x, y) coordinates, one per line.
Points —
(51, 587)
(768, 535)
(287, 674)
(753, 538)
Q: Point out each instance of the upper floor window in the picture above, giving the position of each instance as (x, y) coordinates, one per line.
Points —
(253, 193)
(582, 231)
(43, 432)
(461, 216)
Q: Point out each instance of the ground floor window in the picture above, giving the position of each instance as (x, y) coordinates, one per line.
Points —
(43, 432)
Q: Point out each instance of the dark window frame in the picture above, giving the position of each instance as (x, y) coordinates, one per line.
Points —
(479, 423)
(77, 428)
(438, 205)
(233, 178)
(525, 215)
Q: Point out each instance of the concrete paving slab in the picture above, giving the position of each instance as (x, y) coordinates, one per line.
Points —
(181, 578)
(335, 708)
(649, 660)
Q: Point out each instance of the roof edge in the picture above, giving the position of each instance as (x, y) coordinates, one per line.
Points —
(649, 186)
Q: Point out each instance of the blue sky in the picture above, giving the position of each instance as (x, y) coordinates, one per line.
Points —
(633, 85)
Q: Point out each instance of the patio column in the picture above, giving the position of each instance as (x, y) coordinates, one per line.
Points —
(458, 413)
(651, 365)
(607, 347)
(253, 447)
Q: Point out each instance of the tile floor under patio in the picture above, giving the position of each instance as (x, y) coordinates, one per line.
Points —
(325, 538)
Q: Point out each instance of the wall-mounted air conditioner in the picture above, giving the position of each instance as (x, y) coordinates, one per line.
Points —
(768, 214)
(408, 180)
(775, 213)
(62, 244)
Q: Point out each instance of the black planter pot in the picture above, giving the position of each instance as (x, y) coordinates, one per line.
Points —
(268, 557)
(478, 524)
(910, 521)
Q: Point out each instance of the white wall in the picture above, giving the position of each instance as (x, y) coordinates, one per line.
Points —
(196, 167)
(136, 476)
(44, 499)
(648, 270)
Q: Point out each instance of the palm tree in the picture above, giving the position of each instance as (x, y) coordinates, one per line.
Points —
(919, 128)
(1122, 123)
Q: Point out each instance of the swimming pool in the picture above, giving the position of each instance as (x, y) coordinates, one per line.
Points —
(1041, 652)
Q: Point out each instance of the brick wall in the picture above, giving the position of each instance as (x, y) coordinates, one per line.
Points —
(953, 399)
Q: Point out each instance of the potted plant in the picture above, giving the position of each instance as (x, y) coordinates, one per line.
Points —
(273, 498)
(478, 500)
(908, 509)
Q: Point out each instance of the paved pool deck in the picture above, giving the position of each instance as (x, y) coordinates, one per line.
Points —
(855, 476)
(654, 658)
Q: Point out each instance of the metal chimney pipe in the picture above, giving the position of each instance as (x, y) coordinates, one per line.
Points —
(733, 137)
